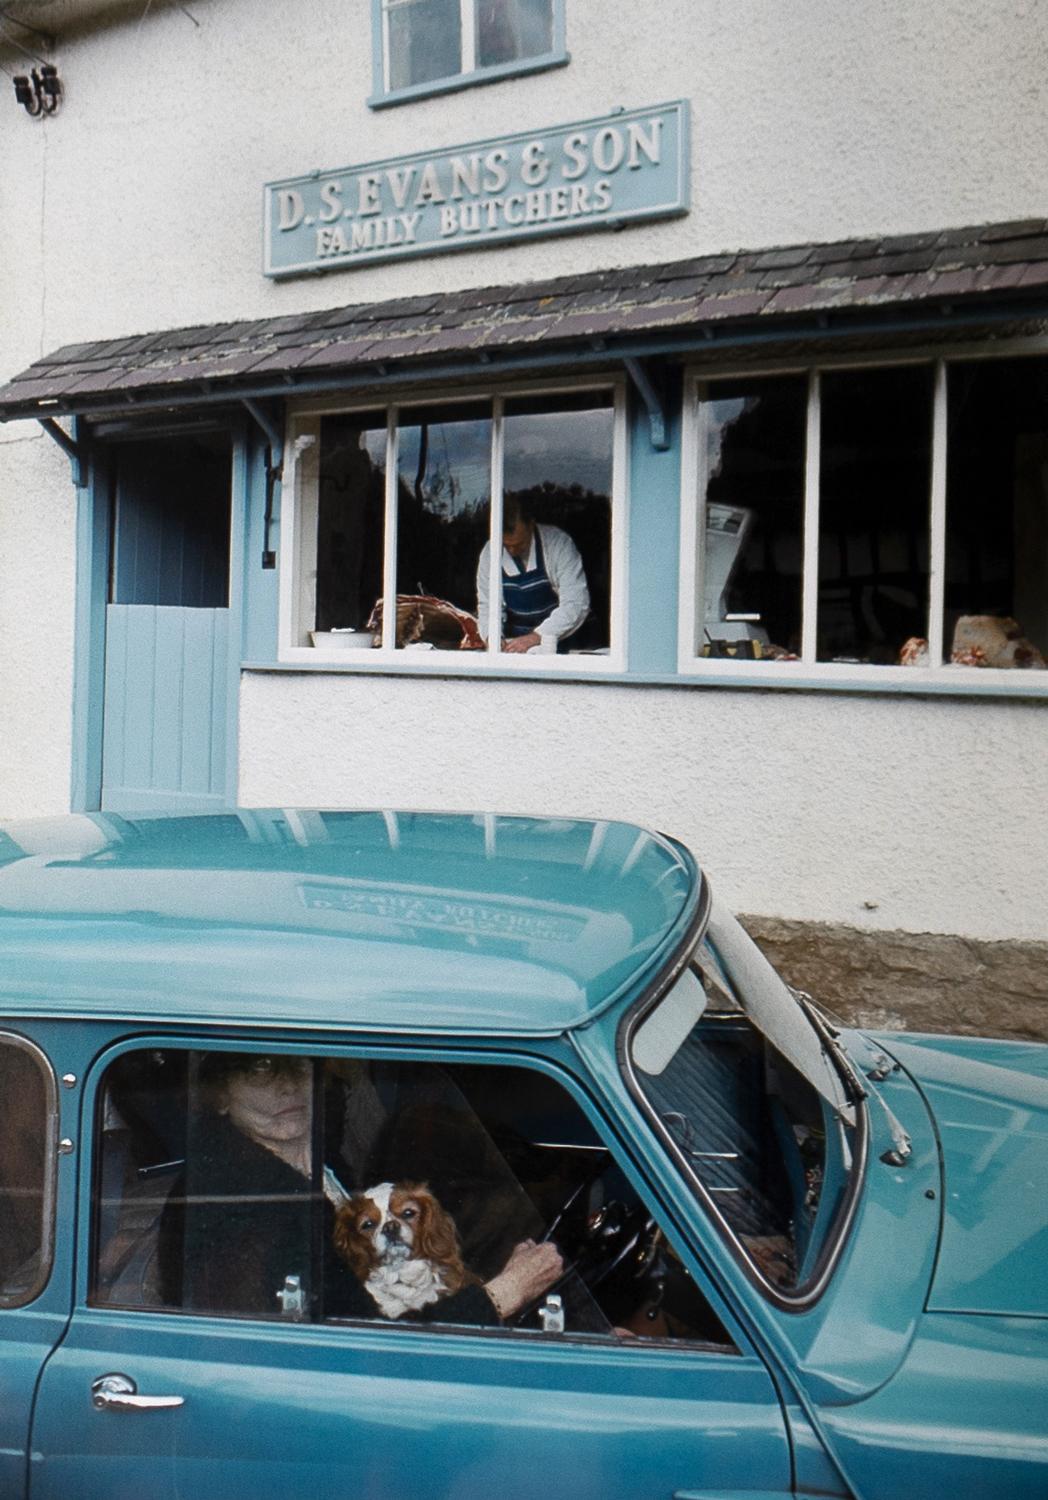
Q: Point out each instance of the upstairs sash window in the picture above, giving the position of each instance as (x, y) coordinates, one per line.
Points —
(426, 46)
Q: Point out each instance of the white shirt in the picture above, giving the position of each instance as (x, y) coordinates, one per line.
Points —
(566, 574)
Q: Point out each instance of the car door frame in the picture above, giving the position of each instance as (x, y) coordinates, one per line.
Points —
(30, 1332)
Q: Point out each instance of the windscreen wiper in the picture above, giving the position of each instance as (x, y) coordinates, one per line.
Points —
(901, 1149)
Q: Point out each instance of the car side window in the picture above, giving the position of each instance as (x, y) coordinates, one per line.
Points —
(28, 1128)
(274, 1185)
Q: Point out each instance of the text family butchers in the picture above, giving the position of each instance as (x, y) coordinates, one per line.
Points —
(506, 186)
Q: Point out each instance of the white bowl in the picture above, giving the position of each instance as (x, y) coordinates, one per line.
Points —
(342, 640)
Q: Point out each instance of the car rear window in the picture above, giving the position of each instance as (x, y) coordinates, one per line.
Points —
(27, 1153)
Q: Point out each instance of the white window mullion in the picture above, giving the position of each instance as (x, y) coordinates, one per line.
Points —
(389, 559)
(387, 67)
(695, 468)
(937, 532)
(810, 586)
(469, 35)
(492, 626)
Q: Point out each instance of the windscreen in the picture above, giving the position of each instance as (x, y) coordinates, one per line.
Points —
(737, 1076)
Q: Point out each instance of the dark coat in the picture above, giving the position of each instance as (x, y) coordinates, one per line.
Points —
(241, 1221)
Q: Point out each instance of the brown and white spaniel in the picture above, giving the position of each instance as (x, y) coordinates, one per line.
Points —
(401, 1244)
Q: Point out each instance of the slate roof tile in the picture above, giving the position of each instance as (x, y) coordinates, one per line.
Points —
(1002, 278)
(701, 265)
(787, 276)
(739, 304)
(834, 251)
(682, 286)
(339, 352)
(952, 283)
(1018, 229)
(795, 299)
(779, 260)
(902, 244)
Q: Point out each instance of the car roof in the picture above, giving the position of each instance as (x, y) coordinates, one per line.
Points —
(379, 921)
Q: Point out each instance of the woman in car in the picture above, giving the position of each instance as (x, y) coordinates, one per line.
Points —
(248, 1216)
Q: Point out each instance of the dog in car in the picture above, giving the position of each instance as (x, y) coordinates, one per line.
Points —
(402, 1245)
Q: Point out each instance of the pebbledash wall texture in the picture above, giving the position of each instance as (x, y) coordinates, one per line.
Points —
(890, 849)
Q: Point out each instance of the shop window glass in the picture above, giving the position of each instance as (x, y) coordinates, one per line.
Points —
(753, 460)
(27, 1147)
(875, 467)
(996, 595)
(350, 520)
(443, 494)
(284, 1187)
(558, 468)
(444, 42)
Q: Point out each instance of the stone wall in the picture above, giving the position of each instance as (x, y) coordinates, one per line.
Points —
(907, 981)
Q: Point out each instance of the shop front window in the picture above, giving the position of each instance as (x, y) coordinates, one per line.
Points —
(857, 518)
(429, 45)
(403, 503)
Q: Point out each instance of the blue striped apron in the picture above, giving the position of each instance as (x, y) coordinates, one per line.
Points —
(528, 597)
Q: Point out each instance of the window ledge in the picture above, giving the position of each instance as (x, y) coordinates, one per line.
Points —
(459, 81)
(417, 663)
(983, 682)
(958, 682)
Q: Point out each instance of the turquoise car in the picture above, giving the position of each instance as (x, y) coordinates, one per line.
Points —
(394, 1154)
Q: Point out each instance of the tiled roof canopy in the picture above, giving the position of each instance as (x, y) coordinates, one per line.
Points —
(638, 309)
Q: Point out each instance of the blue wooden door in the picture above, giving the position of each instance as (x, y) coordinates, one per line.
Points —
(168, 678)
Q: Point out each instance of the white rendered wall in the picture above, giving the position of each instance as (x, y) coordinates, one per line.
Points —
(812, 120)
(802, 806)
(37, 552)
(139, 207)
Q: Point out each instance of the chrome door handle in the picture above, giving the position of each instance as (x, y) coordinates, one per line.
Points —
(120, 1393)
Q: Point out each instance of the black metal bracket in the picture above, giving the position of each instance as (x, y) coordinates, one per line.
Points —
(274, 470)
(74, 451)
(657, 424)
(272, 433)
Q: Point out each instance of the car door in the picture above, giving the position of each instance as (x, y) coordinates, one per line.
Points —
(224, 1400)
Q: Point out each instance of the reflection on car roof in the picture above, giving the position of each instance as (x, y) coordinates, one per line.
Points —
(376, 920)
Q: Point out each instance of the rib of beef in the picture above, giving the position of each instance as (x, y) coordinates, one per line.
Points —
(423, 617)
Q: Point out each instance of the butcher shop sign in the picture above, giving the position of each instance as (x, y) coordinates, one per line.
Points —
(594, 174)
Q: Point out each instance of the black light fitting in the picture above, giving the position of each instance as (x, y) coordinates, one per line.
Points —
(39, 92)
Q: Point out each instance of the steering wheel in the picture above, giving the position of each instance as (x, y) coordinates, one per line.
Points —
(595, 1168)
(619, 1243)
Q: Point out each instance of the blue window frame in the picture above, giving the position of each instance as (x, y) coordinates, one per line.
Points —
(424, 47)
